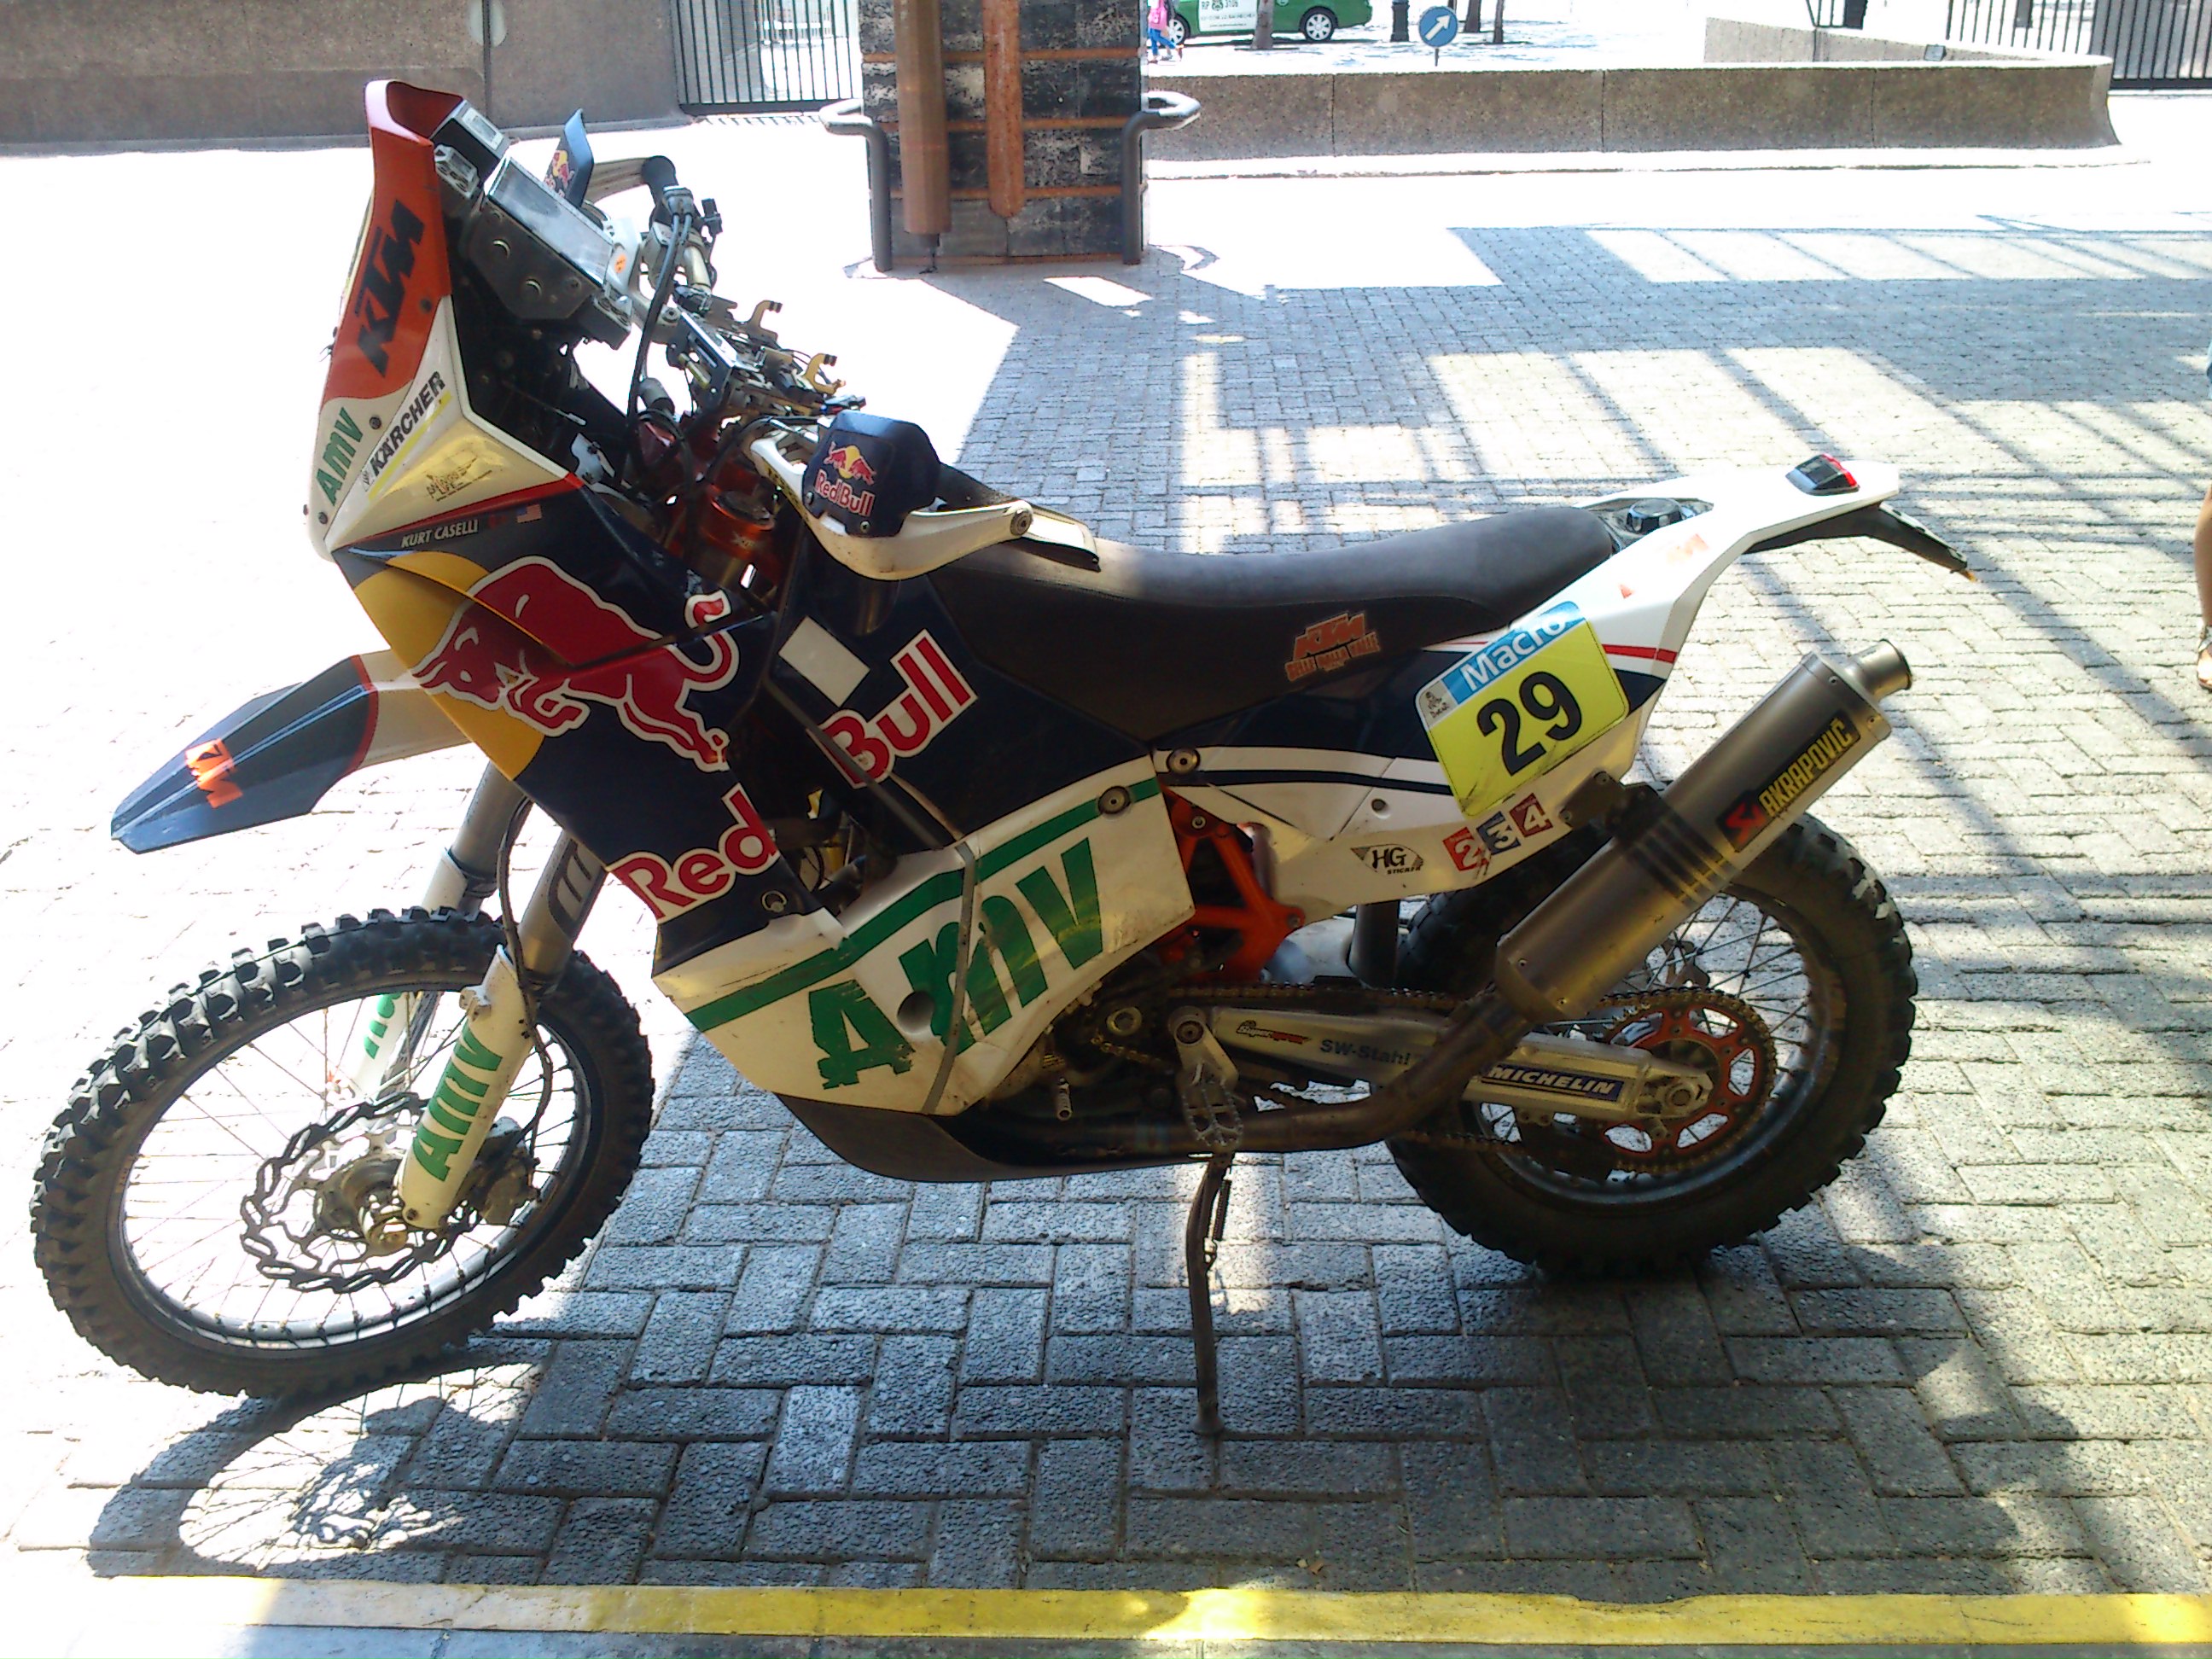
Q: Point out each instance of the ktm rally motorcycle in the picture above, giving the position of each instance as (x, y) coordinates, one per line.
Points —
(994, 848)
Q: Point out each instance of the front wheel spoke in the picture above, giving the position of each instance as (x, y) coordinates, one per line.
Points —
(148, 1226)
(149, 1268)
(252, 1150)
(320, 1091)
(219, 1221)
(420, 1055)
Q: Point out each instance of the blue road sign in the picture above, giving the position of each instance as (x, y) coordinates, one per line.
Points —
(1438, 26)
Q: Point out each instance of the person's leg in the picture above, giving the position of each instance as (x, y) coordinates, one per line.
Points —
(2204, 548)
(2204, 558)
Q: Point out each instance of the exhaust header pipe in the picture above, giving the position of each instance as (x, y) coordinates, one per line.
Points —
(1708, 826)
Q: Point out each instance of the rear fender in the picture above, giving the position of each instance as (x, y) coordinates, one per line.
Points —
(275, 757)
(1644, 601)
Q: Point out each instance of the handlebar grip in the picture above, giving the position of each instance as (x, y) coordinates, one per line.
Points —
(658, 175)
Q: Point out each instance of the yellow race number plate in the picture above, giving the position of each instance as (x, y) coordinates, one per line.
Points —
(1503, 716)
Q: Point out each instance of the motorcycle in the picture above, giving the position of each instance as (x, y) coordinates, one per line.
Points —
(995, 849)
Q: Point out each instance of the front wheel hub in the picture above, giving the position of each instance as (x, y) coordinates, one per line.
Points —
(361, 1200)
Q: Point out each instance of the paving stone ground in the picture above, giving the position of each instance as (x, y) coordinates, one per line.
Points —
(1982, 1361)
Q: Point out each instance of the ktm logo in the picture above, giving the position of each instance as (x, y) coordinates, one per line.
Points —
(1327, 645)
(210, 764)
(385, 266)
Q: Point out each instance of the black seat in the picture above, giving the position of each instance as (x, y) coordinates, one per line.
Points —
(1150, 643)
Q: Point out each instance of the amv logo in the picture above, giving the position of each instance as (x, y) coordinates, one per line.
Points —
(1006, 970)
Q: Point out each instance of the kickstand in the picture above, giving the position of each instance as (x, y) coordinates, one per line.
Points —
(1209, 1217)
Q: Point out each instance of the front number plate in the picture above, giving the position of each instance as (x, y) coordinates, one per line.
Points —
(1506, 714)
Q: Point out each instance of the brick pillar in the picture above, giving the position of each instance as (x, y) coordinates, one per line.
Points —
(1081, 78)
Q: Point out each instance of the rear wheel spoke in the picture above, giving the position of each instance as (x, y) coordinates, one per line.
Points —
(1733, 1028)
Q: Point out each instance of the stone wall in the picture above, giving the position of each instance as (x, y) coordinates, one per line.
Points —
(2054, 103)
(131, 71)
(1081, 81)
(1749, 41)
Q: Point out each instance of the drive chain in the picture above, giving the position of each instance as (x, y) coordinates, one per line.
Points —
(1330, 999)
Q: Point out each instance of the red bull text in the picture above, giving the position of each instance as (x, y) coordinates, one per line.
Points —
(852, 468)
(671, 886)
(934, 697)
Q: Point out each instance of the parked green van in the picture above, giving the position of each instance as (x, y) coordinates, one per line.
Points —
(1315, 20)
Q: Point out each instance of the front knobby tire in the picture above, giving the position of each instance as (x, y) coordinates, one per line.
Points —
(1857, 966)
(78, 1201)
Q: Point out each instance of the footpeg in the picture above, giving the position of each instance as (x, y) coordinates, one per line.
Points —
(1205, 1082)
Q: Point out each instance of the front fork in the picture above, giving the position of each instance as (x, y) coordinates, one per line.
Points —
(466, 873)
(496, 1037)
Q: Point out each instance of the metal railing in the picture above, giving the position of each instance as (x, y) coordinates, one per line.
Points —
(2152, 43)
(765, 54)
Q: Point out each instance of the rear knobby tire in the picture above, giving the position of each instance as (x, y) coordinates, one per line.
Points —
(77, 1198)
(1847, 930)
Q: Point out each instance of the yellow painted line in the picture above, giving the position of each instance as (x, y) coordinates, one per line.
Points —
(1168, 1617)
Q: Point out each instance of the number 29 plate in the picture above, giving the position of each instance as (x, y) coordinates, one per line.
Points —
(1503, 716)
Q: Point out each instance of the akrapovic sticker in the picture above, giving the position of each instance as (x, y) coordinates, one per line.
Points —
(1755, 810)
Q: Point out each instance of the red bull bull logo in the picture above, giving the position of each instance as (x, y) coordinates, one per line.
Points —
(517, 649)
(851, 469)
(852, 465)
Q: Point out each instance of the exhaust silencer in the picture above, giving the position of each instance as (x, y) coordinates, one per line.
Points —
(1730, 805)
